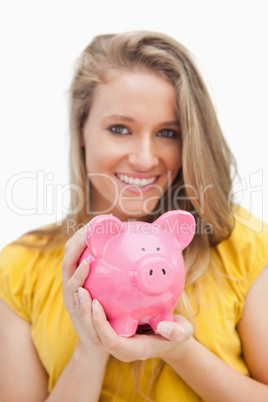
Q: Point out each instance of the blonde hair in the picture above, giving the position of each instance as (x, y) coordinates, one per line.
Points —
(204, 180)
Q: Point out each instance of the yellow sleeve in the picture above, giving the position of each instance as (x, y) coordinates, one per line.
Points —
(245, 254)
(18, 276)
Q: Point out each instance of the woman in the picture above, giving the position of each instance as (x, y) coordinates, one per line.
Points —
(145, 134)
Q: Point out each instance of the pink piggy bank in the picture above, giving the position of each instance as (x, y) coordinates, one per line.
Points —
(137, 269)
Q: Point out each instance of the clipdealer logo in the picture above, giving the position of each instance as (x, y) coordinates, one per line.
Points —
(44, 196)
(248, 191)
(37, 193)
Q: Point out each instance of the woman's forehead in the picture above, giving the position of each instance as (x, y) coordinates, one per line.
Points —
(129, 91)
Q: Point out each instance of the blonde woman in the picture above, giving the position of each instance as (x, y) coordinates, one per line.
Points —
(144, 139)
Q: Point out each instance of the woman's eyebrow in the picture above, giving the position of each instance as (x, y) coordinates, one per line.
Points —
(171, 123)
(119, 117)
(130, 119)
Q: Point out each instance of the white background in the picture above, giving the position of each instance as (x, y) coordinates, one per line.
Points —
(39, 44)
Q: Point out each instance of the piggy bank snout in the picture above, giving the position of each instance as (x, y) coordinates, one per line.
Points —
(154, 275)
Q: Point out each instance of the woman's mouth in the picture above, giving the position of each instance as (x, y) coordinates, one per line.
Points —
(136, 181)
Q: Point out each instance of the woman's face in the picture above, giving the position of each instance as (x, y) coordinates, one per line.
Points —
(132, 144)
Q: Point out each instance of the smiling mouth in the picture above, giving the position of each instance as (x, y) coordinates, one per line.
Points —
(135, 181)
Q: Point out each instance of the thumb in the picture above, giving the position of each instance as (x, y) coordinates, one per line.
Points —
(178, 331)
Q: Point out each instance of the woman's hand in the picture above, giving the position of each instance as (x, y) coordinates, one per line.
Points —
(77, 300)
(175, 336)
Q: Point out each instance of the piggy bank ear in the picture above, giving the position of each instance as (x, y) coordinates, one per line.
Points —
(181, 224)
(100, 231)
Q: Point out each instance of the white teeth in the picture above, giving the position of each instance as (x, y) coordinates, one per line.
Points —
(135, 181)
(143, 182)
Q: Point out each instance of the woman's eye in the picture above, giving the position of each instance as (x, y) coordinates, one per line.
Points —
(118, 129)
(166, 133)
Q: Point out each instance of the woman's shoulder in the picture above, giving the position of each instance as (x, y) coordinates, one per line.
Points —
(23, 265)
(245, 253)
(250, 234)
(27, 249)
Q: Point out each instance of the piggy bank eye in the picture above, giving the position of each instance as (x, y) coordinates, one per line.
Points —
(158, 249)
(143, 249)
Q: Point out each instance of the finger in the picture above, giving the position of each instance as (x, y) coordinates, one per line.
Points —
(106, 333)
(74, 247)
(83, 310)
(83, 304)
(78, 278)
(177, 331)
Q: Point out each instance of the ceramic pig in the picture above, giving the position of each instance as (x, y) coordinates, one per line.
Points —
(137, 269)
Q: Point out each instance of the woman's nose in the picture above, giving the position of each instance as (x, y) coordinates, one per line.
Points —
(143, 156)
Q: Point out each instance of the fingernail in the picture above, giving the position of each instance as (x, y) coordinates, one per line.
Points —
(165, 328)
(95, 306)
(189, 329)
(83, 265)
(81, 295)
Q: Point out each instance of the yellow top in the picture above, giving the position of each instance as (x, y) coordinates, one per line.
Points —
(30, 283)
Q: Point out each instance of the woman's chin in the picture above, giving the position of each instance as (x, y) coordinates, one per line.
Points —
(135, 211)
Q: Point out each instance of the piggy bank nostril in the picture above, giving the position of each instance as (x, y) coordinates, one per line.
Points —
(152, 271)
